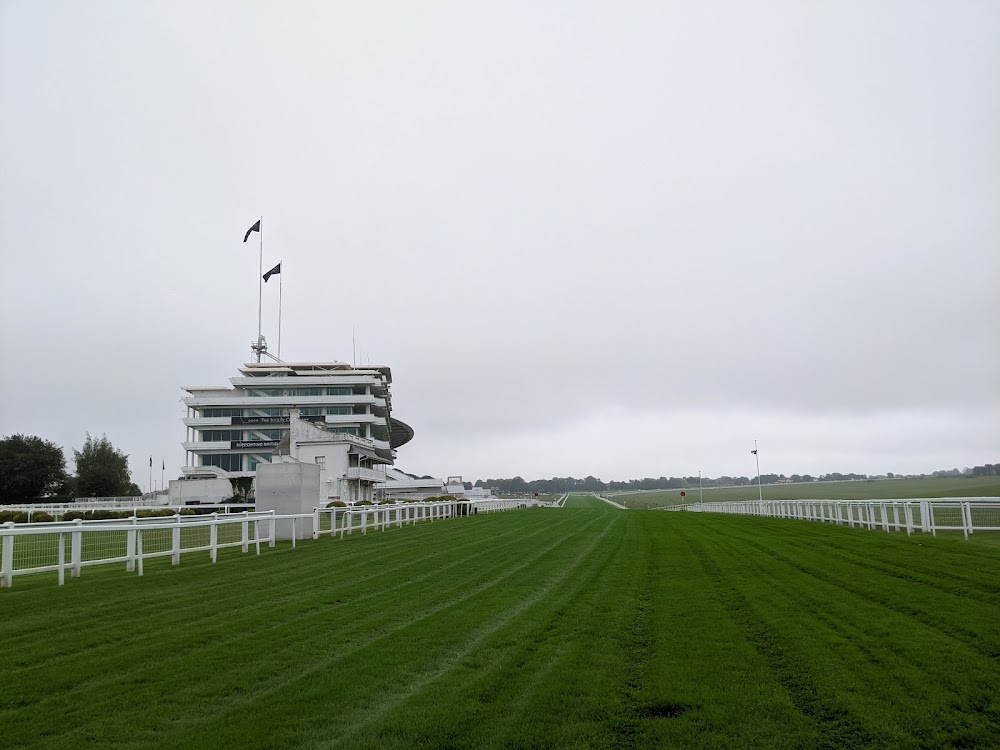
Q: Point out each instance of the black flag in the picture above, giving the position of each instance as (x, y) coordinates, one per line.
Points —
(754, 451)
(276, 269)
(254, 228)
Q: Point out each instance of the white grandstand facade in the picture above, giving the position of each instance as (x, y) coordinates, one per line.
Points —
(230, 431)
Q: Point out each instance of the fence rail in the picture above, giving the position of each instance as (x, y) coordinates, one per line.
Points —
(61, 546)
(58, 510)
(924, 515)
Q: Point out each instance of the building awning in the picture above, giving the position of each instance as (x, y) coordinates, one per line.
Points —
(360, 450)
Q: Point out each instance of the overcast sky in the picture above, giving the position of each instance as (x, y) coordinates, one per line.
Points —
(612, 238)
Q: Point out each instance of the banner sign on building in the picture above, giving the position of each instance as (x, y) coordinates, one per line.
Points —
(254, 444)
(260, 420)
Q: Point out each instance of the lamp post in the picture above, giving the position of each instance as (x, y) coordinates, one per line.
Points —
(760, 492)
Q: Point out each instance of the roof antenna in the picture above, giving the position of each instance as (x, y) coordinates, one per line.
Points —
(354, 350)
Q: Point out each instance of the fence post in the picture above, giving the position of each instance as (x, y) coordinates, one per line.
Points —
(75, 546)
(271, 525)
(256, 534)
(245, 526)
(930, 519)
(966, 519)
(895, 514)
(138, 548)
(61, 559)
(364, 521)
(7, 559)
(315, 523)
(175, 538)
(130, 544)
(293, 532)
(213, 537)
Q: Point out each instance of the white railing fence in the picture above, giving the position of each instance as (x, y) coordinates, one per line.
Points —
(60, 510)
(61, 546)
(924, 515)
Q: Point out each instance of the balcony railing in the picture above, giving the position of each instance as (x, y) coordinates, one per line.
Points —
(370, 475)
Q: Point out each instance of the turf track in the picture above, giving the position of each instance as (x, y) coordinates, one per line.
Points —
(576, 627)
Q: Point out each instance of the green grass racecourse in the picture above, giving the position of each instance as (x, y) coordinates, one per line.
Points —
(576, 627)
(886, 489)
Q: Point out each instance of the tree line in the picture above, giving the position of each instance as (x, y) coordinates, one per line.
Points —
(557, 485)
(33, 469)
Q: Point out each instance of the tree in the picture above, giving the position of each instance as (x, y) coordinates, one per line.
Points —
(102, 470)
(29, 468)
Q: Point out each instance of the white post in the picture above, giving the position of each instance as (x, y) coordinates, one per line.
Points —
(138, 548)
(270, 525)
(966, 519)
(213, 537)
(75, 546)
(364, 521)
(130, 544)
(293, 532)
(315, 523)
(62, 558)
(930, 518)
(245, 526)
(256, 534)
(175, 558)
(7, 559)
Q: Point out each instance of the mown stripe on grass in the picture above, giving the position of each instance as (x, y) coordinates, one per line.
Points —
(838, 729)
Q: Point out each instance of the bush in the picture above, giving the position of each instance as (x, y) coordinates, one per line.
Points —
(337, 504)
(19, 517)
(6, 516)
(363, 502)
(73, 515)
(187, 512)
(41, 517)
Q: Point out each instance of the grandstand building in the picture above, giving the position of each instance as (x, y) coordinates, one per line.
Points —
(345, 416)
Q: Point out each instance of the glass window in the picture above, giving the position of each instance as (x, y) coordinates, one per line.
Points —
(214, 436)
(227, 461)
(321, 462)
(348, 430)
(222, 412)
(264, 435)
(311, 411)
(340, 391)
(340, 410)
(272, 412)
(305, 391)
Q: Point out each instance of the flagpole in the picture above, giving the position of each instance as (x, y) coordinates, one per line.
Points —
(260, 284)
(760, 492)
(280, 277)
